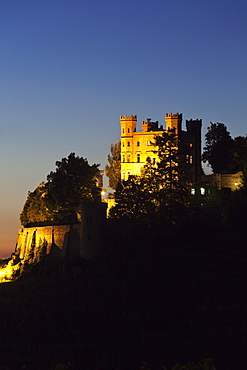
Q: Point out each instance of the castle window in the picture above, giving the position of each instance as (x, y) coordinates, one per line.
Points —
(191, 145)
(128, 157)
(123, 158)
(154, 160)
(128, 143)
(128, 130)
(123, 130)
(138, 158)
(123, 144)
(138, 143)
(191, 159)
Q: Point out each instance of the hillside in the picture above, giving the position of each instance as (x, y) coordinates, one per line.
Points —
(157, 297)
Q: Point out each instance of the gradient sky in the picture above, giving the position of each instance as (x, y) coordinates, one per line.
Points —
(69, 68)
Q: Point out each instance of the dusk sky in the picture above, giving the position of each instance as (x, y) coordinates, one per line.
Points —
(69, 68)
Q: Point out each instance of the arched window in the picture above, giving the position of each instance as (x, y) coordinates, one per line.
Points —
(123, 158)
(138, 158)
(128, 157)
(128, 130)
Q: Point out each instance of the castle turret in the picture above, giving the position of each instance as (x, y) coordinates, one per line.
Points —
(128, 128)
(128, 125)
(174, 121)
(194, 127)
(149, 125)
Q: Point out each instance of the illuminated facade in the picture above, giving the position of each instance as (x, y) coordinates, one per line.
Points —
(137, 147)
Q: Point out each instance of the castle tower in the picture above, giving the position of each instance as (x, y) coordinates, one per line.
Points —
(150, 126)
(128, 128)
(194, 128)
(174, 121)
(128, 125)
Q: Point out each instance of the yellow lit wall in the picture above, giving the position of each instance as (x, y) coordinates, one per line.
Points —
(136, 147)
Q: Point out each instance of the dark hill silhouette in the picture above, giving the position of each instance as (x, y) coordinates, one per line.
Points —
(159, 296)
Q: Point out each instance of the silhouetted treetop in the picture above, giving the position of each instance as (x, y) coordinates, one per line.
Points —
(60, 197)
(219, 148)
(113, 169)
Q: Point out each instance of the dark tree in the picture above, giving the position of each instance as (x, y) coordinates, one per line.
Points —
(113, 169)
(73, 181)
(240, 153)
(35, 209)
(170, 175)
(219, 148)
(244, 180)
(133, 199)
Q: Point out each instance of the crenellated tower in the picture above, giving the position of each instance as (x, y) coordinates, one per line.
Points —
(128, 125)
(194, 128)
(128, 128)
(148, 125)
(174, 121)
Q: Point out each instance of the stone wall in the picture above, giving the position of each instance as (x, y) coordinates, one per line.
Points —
(35, 241)
(220, 181)
(85, 239)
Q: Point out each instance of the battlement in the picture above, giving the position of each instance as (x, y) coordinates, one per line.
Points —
(194, 120)
(128, 118)
(176, 115)
(150, 126)
(174, 122)
(194, 125)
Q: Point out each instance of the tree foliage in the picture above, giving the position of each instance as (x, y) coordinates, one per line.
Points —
(224, 154)
(133, 199)
(171, 172)
(35, 208)
(73, 181)
(219, 148)
(240, 153)
(113, 169)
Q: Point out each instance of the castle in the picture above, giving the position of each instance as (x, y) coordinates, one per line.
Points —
(87, 238)
(138, 147)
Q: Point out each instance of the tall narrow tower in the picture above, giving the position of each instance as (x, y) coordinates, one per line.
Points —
(128, 128)
(194, 127)
(128, 125)
(174, 121)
